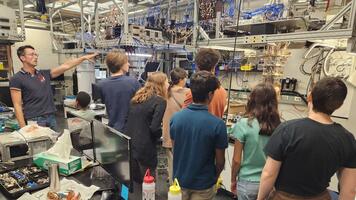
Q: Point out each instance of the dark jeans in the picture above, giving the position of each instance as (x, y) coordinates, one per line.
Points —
(48, 120)
(139, 171)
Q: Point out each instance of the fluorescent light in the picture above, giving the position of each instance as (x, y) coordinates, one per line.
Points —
(137, 11)
(139, 54)
(29, 6)
(36, 22)
(145, 1)
(224, 48)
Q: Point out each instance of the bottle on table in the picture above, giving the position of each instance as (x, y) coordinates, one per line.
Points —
(175, 191)
(148, 186)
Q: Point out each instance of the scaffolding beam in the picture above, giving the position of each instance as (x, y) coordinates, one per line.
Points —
(292, 37)
(352, 22)
(340, 14)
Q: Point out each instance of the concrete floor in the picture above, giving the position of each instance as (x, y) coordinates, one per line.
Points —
(162, 185)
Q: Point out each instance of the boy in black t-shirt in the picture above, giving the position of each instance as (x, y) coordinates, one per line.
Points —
(303, 154)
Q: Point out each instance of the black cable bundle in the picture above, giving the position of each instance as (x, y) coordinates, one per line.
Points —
(117, 31)
(41, 6)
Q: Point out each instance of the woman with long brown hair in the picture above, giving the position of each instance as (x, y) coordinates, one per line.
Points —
(252, 133)
(144, 123)
(176, 96)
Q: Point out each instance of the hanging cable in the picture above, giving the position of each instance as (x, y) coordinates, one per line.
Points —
(41, 6)
(233, 57)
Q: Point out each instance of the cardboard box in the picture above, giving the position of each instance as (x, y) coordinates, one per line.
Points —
(237, 108)
(66, 167)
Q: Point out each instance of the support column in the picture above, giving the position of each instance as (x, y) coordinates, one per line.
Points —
(195, 24)
(352, 22)
(126, 18)
(22, 21)
(82, 22)
(218, 24)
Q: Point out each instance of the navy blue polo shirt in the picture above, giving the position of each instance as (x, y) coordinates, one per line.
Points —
(196, 134)
(36, 91)
(116, 93)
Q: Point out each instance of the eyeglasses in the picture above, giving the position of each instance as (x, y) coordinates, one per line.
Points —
(33, 54)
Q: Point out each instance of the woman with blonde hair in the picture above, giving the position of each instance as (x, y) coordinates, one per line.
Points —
(144, 123)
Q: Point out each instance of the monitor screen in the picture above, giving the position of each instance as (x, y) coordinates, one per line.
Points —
(100, 73)
(5, 96)
(185, 64)
(80, 132)
(152, 66)
(112, 150)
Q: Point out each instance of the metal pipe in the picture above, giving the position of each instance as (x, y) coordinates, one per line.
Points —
(54, 13)
(89, 24)
(195, 24)
(168, 12)
(96, 21)
(95, 10)
(340, 14)
(352, 22)
(217, 25)
(82, 22)
(126, 18)
(117, 6)
(66, 5)
(233, 60)
(22, 21)
(51, 23)
(144, 11)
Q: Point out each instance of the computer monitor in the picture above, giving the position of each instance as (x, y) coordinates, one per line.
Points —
(151, 66)
(100, 73)
(80, 132)
(112, 150)
(5, 96)
(185, 64)
(95, 92)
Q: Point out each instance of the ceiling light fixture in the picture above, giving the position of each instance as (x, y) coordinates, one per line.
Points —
(139, 54)
(29, 6)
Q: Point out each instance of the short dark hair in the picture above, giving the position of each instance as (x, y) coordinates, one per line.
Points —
(21, 50)
(328, 94)
(115, 60)
(177, 74)
(83, 99)
(201, 84)
(206, 59)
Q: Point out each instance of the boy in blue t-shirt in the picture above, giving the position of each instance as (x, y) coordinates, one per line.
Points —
(199, 141)
(117, 90)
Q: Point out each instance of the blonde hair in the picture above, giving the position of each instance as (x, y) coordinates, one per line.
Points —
(155, 85)
(115, 60)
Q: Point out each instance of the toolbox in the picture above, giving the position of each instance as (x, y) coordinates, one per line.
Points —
(17, 181)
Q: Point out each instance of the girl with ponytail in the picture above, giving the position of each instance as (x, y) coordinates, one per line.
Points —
(176, 96)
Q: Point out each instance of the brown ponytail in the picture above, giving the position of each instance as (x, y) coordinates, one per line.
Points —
(177, 74)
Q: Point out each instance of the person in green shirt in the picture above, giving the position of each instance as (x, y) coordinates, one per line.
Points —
(251, 134)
